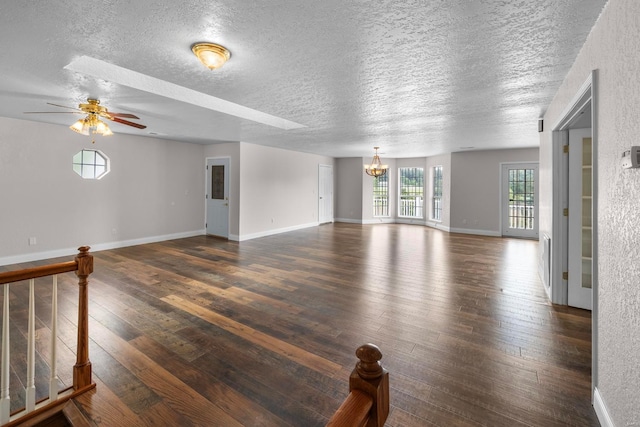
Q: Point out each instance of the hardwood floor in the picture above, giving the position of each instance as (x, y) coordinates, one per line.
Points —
(207, 332)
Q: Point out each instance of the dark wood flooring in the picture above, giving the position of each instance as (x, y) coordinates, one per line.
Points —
(207, 332)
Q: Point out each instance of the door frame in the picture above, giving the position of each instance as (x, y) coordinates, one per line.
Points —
(588, 93)
(320, 193)
(206, 186)
(503, 202)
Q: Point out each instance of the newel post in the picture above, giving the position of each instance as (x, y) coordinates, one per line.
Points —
(82, 368)
(371, 378)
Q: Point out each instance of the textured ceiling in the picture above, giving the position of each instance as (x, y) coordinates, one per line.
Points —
(416, 78)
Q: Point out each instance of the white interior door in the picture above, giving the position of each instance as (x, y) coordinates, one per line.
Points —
(325, 194)
(580, 242)
(520, 200)
(218, 197)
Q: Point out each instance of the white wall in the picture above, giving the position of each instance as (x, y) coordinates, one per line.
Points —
(154, 190)
(613, 48)
(476, 187)
(278, 190)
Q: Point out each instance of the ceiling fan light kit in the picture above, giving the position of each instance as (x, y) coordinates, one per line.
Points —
(91, 124)
(211, 55)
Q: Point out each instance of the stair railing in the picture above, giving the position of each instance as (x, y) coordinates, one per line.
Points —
(83, 266)
(368, 401)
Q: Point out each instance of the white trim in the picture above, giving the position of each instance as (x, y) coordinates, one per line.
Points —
(37, 256)
(410, 221)
(349, 220)
(379, 220)
(601, 409)
(438, 225)
(489, 233)
(276, 231)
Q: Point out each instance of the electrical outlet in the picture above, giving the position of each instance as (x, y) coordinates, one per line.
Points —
(32, 241)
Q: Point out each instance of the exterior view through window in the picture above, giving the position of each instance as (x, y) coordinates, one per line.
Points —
(521, 199)
(381, 195)
(411, 192)
(436, 200)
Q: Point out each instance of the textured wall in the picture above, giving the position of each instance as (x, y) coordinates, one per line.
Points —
(613, 48)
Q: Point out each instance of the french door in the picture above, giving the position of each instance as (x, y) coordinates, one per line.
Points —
(520, 200)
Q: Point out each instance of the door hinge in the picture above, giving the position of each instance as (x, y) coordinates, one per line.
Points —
(565, 275)
(565, 149)
(207, 167)
(565, 212)
(206, 225)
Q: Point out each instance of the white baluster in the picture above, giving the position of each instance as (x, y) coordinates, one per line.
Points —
(30, 389)
(53, 381)
(5, 405)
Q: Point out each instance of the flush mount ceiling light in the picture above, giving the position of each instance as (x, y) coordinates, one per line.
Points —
(376, 168)
(211, 55)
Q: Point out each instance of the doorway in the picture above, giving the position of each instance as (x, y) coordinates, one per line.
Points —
(580, 113)
(580, 227)
(520, 200)
(217, 198)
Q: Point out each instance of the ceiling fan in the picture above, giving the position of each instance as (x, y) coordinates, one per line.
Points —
(92, 124)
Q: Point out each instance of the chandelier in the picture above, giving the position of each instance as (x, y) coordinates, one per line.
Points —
(376, 168)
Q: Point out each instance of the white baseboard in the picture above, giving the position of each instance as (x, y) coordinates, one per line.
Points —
(601, 410)
(489, 233)
(274, 231)
(349, 220)
(95, 247)
(379, 221)
(438, 225)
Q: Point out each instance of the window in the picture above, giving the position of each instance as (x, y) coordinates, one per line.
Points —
(436, 200)
(381, 196)
(411, 192)
(91, 164)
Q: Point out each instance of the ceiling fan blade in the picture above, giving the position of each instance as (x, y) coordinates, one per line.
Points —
(125, 115)
(63, 106)
(53, 112)
(128, 123)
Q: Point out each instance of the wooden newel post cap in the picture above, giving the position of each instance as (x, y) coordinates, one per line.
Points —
(369, 366)
(85, 261)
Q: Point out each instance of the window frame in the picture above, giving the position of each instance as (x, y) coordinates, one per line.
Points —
(437, 173)
(87, 168)
(376, 196)
(414, 192)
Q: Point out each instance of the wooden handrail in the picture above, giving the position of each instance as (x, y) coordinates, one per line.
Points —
(368, 400)
(35, 272)
(83, 267)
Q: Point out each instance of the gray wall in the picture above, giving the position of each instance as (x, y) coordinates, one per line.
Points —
(349, 175)
(476, 187)
(153, 192)
(613, 48)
